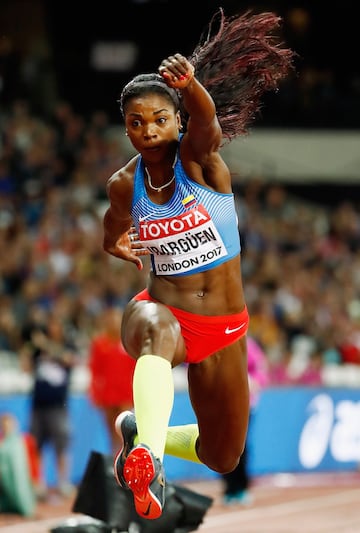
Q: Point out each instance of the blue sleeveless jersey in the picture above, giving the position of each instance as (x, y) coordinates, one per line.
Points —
(194, 231)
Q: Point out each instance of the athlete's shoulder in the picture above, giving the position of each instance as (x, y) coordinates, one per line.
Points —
(123, 175)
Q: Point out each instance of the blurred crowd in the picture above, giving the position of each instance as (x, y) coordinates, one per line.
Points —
(52, 193)
(302, 281)
(300, 260)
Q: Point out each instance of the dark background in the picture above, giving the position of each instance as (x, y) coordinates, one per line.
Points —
(162, 27)
(324, 93)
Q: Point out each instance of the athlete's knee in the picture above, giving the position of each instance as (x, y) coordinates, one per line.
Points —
(224, 465)
(162, 330)
(149, 326)
(222, 462)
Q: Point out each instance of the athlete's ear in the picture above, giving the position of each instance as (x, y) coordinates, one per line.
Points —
(178, 120)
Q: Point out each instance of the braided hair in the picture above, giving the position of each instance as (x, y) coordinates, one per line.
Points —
(237, 65)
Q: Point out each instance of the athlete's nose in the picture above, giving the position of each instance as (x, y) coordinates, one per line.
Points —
(149, 131)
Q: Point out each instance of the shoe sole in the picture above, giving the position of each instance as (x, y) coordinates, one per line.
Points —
(139, 472)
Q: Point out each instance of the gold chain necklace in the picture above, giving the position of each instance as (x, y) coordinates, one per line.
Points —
(159, 189)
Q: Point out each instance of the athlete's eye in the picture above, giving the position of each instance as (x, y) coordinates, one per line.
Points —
(162, 120)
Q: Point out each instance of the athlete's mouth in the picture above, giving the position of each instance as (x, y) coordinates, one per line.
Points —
(153, 148)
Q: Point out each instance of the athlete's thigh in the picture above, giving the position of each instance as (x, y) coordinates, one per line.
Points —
(150, 328)
(219, 392)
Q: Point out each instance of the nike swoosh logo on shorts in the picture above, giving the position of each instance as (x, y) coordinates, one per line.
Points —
(228, 330)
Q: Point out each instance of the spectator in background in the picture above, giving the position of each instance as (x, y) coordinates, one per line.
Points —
(50, 357)
(111, 371)
(237, 483)
(18, 468)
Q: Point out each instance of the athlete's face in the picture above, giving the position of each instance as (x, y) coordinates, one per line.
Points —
(152, 123)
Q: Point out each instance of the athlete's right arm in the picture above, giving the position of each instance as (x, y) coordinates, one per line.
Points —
(202, 140)
(118, 222)
(203, 128)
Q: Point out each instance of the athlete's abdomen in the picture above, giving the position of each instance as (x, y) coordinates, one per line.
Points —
(217, 291)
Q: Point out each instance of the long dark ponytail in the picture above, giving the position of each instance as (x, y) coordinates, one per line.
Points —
(238, 64)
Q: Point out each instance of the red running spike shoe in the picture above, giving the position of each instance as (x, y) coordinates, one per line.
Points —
(144, 475)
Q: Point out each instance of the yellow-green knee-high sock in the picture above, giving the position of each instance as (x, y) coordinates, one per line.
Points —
(153, 391)
(181, 442)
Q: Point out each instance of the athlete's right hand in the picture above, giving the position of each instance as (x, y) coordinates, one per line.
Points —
(129, 248)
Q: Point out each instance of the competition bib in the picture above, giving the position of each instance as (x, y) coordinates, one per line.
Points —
(182, 243)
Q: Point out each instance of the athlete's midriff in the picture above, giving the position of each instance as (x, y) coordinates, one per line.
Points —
(215, 292)
(205, 335)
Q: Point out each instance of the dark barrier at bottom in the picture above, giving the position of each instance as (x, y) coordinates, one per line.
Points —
(112, 510)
